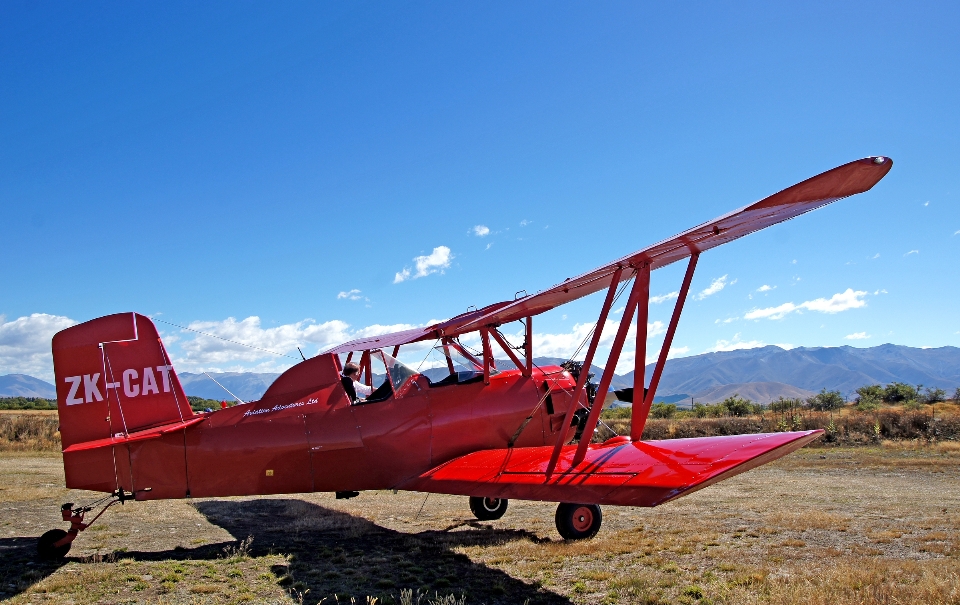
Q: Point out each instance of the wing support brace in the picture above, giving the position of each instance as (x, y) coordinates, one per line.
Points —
(638, 301)
(588, 361)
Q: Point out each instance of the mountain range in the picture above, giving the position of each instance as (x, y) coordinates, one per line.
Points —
(762, 374)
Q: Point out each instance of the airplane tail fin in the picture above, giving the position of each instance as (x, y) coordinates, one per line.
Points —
(114, 377)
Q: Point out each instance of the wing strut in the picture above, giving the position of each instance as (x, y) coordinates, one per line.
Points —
(640, 357)
(640, 419)
(587, 362)
(639, 301)
(615, 348)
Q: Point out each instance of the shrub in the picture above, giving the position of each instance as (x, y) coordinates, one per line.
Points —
(872, 392)
(934, 395)
(785, 405)
(895, 392)
(27, 403)
(663, 410)
(738, 406)
(826, 400)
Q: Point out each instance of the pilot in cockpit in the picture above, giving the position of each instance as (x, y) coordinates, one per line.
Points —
(355, 389)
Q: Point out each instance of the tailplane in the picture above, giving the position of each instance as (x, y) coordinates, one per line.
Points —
(114, 380)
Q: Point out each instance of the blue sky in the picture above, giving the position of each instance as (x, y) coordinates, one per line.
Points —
(235, 167)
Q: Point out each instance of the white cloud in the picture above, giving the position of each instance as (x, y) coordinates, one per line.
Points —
(525, 222)
(857, 336)
(664, 297)
(350, 294)
(438, 260)
(842, 301)
(726, 321)
(880, 291)
(925, 204)
(912, 252)
(490, 245)
(765, 288)
(771, 312)
(481, 230)
(877, 255)
(204, 352)
(25, 344)
(735, 344)
(848, 299)
(957, 232)
(715, 286)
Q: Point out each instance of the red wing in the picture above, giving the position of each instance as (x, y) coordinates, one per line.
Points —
(849, 179)
(617, 472)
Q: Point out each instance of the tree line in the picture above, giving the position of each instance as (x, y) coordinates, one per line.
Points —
(868, 398)
(198, 404)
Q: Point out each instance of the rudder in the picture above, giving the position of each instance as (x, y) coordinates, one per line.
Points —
(113, 378)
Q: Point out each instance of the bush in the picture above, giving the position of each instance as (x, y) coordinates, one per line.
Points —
(738, 406)
(785, 405)
(873, 392)
(716, 410)
(826, 400)
(27, 403)
(934, 395)
(198, 404)
(663, 410)
(895, 392)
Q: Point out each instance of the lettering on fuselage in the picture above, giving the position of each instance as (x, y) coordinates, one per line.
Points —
(280, 407)
(133, 382)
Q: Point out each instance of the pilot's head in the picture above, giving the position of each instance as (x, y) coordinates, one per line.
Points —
(351, 370)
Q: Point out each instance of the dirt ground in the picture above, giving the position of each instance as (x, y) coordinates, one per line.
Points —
(824, 525)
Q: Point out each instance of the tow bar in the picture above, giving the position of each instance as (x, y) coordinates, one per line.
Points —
(55, 544)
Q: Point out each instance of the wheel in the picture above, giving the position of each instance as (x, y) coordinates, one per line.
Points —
(488, 509)
(46, 548)
(578, 521)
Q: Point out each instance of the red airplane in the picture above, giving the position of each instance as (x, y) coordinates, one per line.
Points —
(485, 432)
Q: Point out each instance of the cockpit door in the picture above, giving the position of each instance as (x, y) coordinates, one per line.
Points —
(396, 430)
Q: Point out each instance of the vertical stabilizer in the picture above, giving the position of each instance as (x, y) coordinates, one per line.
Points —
(114, 376)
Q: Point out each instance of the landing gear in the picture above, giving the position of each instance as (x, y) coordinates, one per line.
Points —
(47, 545)
(488, 509)
(578, 521)
(55, 544)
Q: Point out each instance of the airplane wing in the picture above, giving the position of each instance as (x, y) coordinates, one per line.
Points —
(617, 472)
(843, 181)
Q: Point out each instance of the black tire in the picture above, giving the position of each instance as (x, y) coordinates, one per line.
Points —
(578, 521)
(488, 509)
(46, 548)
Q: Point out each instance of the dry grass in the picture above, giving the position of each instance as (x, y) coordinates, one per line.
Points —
(841, 525)
(29, 431)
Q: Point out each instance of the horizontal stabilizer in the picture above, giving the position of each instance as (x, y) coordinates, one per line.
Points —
(122, 438)
(618, 471)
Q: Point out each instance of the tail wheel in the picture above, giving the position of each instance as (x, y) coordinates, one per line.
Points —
(488, 509)
(578, 521)
(46, 548)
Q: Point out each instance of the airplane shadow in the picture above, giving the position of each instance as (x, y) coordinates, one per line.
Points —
(329, 553)
(337, 553)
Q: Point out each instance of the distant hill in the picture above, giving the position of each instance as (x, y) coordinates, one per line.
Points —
(760, 392)
(248, 386)
(761, 374)
(812, 368)
(21, 385)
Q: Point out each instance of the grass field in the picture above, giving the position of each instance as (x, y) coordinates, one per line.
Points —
(824, 525)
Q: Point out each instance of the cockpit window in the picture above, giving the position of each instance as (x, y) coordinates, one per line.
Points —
(399, 373)
(459, 366)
